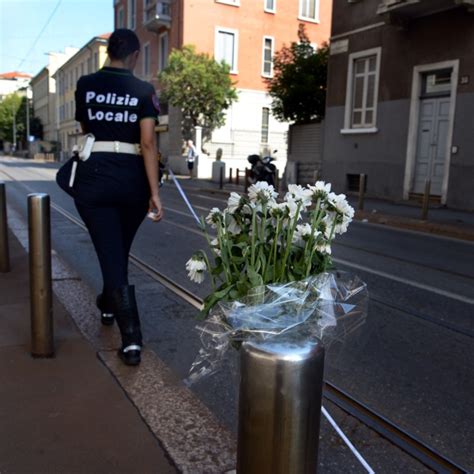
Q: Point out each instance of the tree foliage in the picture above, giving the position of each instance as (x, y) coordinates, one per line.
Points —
(14, 105)
(298, 86)
(200, 86)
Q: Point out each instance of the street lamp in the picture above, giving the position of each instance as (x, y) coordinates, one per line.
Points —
(14, 128)
(29, 95)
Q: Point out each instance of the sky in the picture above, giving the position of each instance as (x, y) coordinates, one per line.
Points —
(74, 23)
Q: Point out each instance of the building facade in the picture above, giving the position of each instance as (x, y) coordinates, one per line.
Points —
(401, 98)
(11, 82)
(90, 58)
(43, 87)
(245, 34)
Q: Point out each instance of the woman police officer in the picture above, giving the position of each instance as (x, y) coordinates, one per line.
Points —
(117, 186)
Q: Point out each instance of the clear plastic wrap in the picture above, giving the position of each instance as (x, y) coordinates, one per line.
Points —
(325, 307)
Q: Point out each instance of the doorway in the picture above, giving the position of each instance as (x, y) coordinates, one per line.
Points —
(431, 129)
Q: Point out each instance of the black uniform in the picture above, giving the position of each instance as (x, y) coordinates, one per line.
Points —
(111, 189)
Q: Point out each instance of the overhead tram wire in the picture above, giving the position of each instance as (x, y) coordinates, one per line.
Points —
(40, 34)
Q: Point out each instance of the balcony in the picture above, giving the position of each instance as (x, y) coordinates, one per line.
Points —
(402, 11)
(158, 15)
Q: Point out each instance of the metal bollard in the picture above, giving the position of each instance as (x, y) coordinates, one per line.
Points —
(230, 175)
(221, 177)
(280, 407)
(426, 200)
(4, 250)
(237, 176)
(247, 177)
(361, 191)
(42, 343)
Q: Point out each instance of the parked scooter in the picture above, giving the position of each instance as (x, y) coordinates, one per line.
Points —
(262, 169)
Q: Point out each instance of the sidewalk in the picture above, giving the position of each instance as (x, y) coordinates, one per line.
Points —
(406, 215)
(67, 414)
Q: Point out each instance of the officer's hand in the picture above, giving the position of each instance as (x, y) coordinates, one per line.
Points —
(156, 207)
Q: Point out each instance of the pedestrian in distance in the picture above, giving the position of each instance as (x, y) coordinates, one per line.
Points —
(117, 185)
(161, 168)
(191, 157)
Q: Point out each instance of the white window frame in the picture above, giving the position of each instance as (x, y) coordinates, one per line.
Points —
(131, 25)
(305, 18)
(270, 10)
(160, 51)
(120, 11)
(145, 8)
(229, 2)
(272, 39)
(234, 69)
(146, 46)
(267, 132)
(348, 129)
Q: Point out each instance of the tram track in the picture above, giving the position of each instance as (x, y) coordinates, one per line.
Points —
(377, 422)
(380, 424)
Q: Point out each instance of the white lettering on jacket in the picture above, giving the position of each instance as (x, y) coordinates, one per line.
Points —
(111, 98)
(119, 117)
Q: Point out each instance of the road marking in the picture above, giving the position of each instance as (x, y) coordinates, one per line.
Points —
(421, 286)
(415, 284)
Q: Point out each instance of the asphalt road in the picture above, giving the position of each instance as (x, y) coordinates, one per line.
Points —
(413, 359)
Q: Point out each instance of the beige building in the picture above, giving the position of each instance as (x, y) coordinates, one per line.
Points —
(43, 86)
(90, 58)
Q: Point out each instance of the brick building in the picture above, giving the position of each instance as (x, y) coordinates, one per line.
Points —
(245, 34)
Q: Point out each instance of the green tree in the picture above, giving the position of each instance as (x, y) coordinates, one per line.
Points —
(9, 108)
(200, 86)
(298, 86)
(14, 105)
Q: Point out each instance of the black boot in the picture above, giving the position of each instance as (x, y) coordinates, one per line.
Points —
(126, 313)
(105, 305)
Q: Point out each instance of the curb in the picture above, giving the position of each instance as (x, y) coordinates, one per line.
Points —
(416, 225)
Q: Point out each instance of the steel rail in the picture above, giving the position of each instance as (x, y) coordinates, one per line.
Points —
(380, 424)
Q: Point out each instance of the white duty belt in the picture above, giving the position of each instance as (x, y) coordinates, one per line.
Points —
(117, 147)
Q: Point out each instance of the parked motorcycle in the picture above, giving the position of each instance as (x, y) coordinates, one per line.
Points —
(262, 169)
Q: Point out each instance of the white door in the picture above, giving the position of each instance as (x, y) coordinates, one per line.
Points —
(431, 144)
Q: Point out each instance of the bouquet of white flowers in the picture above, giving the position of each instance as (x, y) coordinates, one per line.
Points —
(260, 240)
(270, 272)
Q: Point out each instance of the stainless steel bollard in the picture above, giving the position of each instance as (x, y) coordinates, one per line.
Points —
(42, 343)
(4, 249)
(280, 408)
(426, 200)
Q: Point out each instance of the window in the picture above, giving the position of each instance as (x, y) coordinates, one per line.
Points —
(269, 6)
(234, 3)
(163, 51)
(309, 10)
(146, 59)
(132, 14)
(120, 18)
(148, 12)
(265, 121)
(267, 68)
(96, 61)
(362, 91)
(226, 47)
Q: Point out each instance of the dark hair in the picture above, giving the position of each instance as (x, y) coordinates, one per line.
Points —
(122, 43)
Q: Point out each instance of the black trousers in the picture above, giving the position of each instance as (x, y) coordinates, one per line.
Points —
(112, 230)
(112, 196)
